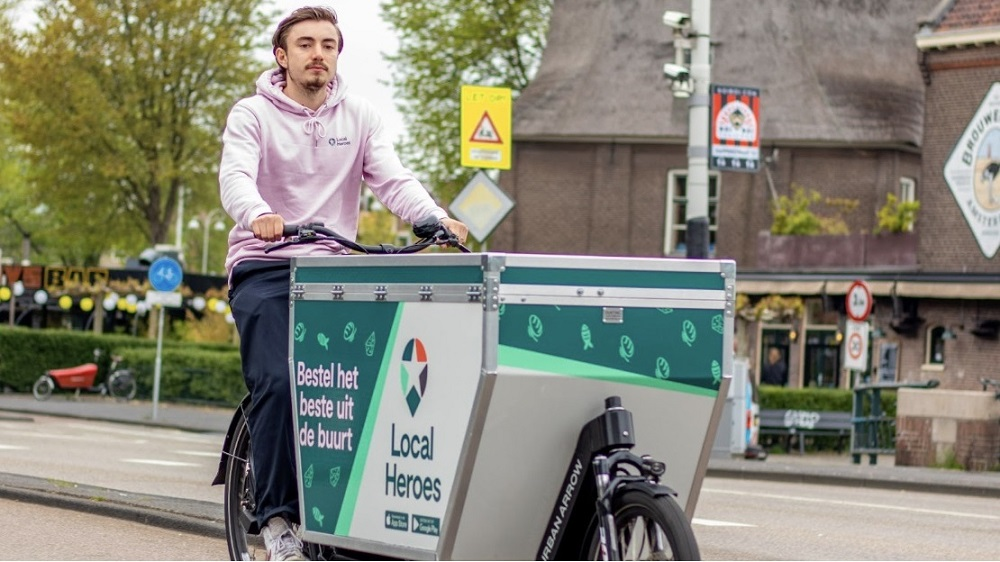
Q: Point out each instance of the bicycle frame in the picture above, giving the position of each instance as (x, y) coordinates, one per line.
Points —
(594, 474)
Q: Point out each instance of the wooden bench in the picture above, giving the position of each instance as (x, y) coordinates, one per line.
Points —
(800, 424)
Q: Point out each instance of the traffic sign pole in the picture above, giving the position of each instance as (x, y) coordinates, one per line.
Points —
(165, 275)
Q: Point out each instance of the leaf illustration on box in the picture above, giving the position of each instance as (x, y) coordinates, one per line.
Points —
(501, 309)
(300, 332)
(662, 368)
(716, 373)
(350, 331)
(534, 327)
(370, 345)
(688, 333)
(627, 349)
(323, 340)
(318, 516)
(718, 324)
(585, 335)
(307, 477)
(335, 476)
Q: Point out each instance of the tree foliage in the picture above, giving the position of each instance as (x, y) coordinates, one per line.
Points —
(118, 105)
(444, 44)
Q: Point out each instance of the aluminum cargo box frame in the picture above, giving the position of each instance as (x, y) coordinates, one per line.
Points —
(438, 398)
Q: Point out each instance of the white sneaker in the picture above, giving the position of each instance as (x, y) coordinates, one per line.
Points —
(281, 542)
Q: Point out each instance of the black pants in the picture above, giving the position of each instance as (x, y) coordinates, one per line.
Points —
(258, 297)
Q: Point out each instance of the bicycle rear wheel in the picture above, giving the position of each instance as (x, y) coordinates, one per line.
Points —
(649, 527)
(121, 385)
(43, 387)
(240, 505)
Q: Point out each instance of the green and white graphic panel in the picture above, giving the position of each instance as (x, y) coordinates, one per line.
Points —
(409, 416)
(675, 349)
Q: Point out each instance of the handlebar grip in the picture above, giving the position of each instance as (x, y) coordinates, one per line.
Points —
(290, 230)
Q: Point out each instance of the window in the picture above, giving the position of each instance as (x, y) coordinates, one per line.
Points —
(822, 358)
(907, 193)
(674, 243)
(935, 346)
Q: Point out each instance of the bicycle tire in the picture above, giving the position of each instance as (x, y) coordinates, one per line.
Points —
(43, 387)
(239, 497)
(633, 510)
(121, 385)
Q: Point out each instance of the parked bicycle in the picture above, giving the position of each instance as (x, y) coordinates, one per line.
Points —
(611, 504)
(119, 383)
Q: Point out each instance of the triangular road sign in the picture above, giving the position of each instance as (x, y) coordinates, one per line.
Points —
(485, 131)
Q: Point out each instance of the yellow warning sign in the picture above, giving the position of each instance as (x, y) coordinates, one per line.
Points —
(486, 127)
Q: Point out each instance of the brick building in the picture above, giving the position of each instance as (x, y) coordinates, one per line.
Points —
(859, 100)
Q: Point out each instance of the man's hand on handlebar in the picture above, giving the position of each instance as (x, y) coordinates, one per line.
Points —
(457, 228)
(268, 227)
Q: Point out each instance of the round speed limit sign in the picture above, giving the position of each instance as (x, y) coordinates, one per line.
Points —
(859, 301)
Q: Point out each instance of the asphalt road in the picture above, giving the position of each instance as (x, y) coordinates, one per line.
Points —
(147, 460)
(759, 520)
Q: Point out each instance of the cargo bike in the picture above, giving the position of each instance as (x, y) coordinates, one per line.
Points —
(497, 406)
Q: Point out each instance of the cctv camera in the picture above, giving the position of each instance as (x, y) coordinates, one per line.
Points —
(676, 20)
(676, 72)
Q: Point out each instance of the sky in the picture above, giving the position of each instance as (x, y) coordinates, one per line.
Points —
(361, 64)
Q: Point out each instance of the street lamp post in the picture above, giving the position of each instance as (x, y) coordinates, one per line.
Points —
(204, 221)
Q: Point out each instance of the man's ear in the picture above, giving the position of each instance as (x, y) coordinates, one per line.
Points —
(281, 57)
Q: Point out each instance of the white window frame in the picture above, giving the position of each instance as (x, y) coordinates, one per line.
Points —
(669, 230)
(929, 359)
(907, 193)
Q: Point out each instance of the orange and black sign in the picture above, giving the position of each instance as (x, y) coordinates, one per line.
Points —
(734, 129)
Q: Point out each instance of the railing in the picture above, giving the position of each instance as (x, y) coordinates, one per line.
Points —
(874, 433)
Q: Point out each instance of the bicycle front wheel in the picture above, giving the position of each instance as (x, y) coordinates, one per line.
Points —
(649, 527)
(43, 387)
(121, 385)
(239, 498)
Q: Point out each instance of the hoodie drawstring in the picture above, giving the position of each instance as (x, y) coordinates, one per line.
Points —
(314, 127)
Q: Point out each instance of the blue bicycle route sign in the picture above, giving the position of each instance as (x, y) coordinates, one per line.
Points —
(165, 274)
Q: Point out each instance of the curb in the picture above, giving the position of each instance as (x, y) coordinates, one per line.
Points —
(189, 516)
(857, 481)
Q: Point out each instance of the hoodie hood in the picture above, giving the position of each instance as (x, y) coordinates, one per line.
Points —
(271, 84)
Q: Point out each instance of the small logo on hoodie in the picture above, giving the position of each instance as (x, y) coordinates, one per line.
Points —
(339, 141)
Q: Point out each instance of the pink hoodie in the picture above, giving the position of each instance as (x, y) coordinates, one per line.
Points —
(280, 157)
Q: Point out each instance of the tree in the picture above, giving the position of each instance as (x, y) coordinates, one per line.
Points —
(444, 44)
(119, 105)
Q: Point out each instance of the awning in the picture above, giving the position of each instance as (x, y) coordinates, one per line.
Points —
(918, 289)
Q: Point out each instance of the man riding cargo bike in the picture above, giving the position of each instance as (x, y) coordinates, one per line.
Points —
(444, 406)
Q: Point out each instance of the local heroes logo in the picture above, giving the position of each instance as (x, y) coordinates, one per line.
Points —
(413, 448)
(413, 373)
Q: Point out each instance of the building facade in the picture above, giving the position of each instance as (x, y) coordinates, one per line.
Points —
(859, 101)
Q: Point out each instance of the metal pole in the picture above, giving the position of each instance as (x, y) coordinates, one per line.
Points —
(204, 245)
(159, 360)
(179, 236)
(697, 238)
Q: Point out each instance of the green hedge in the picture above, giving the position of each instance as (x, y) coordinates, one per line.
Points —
(817, 399)
(207, 373)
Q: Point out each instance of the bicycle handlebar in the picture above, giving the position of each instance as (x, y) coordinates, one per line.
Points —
(430, 231)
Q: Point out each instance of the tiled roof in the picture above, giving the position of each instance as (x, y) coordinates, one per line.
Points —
(970, 14)
(829, 72)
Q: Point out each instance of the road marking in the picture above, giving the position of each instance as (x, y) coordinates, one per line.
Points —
(855, 504)
(200, 453)
(714, 523)
(160, 463)
(12, 447)
(147, 432)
